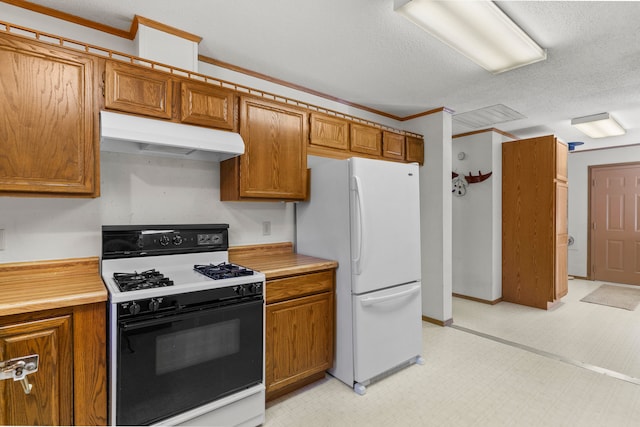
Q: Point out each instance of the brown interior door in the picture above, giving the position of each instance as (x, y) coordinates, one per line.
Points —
(615, 233)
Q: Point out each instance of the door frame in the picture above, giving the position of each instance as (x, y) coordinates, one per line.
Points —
(591, 214)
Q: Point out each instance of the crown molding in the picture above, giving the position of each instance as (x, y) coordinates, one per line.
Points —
(474, 132)
(140, 20)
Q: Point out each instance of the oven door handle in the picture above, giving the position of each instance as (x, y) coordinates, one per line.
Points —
(133, 324)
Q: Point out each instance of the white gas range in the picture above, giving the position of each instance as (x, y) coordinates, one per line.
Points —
(186, 332)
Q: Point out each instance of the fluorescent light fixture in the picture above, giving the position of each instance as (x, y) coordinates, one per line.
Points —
(598, 125)
(477, 29)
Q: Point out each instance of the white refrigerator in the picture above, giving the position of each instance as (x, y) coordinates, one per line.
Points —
(365, 214)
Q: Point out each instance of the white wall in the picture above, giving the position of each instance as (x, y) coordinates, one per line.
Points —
(435, 214)
(579, 162)
(135, 190)
(477, 225)
(166, 48)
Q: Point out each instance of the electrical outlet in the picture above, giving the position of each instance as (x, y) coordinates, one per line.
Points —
(1, 239)
(266, 228)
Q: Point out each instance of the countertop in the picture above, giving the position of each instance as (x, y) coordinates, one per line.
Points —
(44, 285)
(277, 260)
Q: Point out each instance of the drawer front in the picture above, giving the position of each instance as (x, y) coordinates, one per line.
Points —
(297, 286)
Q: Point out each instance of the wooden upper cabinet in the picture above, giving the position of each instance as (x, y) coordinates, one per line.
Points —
(51, 399)
(274, 165)
(206, 105)
(138, 90)
(49, 135)
(393, 145)
(366, 139)
(328, 131)
(414, 150)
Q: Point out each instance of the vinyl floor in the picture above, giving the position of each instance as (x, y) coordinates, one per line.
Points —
(500, 365)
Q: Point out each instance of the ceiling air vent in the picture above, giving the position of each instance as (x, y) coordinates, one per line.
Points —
(487, 116)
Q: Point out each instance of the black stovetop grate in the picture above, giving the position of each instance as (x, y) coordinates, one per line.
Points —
(223, 270)
(136, 281)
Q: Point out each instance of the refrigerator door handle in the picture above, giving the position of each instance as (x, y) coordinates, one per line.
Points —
(377, 300)
(360, 219)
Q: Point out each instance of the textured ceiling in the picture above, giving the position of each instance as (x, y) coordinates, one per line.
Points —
(363, 52)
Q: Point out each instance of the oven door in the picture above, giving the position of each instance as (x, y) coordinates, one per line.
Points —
(175, 363)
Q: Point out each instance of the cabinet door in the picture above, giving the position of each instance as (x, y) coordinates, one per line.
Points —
(47, 114)
(206, 105)
(51, 399)
(415, 150)
(299, 339)
(528, 217)
(138, 90)
(392, 145)
(274, 165)
(328, 131)
(366, 139)
(562, 153)
(562, 241)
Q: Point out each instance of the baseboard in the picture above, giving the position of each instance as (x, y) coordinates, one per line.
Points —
(448, 322)
(484, 301)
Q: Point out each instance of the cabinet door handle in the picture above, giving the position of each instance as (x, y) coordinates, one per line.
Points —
(18, 369)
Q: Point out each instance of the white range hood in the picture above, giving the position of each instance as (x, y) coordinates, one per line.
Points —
(124, 133)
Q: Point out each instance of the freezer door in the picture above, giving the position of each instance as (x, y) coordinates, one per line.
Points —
(387, 329)
(385, 224)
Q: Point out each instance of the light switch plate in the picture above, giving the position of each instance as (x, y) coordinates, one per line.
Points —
(1, 239)
(266, 228)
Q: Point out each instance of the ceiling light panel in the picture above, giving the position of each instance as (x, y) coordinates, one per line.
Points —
(598, 125)
(477, 29)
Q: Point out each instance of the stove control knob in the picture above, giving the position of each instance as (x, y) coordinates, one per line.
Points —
(239, 290)
(134, 308)
(154, 304)
(164, 240)
(177, 240)
(251, 288)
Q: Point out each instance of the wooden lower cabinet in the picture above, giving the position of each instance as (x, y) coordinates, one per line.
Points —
(51, 399)
(299, 331)
(69, 387)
